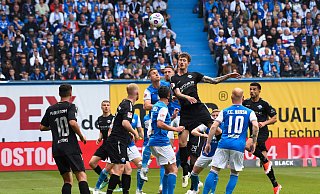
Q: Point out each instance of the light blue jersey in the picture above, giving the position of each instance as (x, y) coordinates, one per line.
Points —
(158, 136)
(214, 142)
(136, 123)
(236, 119)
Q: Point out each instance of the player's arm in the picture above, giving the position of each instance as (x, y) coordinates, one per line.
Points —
(127, 119)
(75, 127)
(199, 131)
(213, 129)
(99, 138)
(44, 125)
(139, 128)
(161, 121)
(217, 80)
(72, 111)
(178, 93)
(272, 116)
(147, 100)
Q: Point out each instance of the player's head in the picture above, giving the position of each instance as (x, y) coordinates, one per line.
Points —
(65, 90)
(255, 89)
(133, 91)
(164, 92)
(237, 96)
(153, 74)
(184, 60)
(168, 72)
(215, 113)
(105, 106)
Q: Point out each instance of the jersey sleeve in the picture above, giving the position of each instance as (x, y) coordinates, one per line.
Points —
(199, 77)
(162, 114)
(173, 83)
(138, 122)
(270, 110)
(220, 117)
(127, 112)
(45, 119)
(253, 116)
(202, 128)
(72, 113)
(147, 95)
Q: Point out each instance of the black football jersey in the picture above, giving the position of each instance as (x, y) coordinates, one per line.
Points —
(187, 83)
(124, 112)
(263, 111)
(64, 139)
(104, 124)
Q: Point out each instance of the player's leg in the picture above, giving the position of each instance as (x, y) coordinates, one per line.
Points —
(219, 161)
(236, 165)
(145, 160)
(267, 165)
(171, 172)
(67, 183)
(77, 167)
(103, 175)
(138, 163)
(232, 181)
(184, 154)
(115, 177)
(64, 169)
(211, 181)
(126, 178)
(93, 163)
(201, 163)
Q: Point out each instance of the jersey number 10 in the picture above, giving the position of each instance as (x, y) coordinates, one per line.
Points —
(63, 127)
(237, 125)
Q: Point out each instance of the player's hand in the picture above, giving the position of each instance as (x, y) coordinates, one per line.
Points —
(207, 149)
(98, 141)
(252, 148)
(180, 128)
(83, 139)
(261, 124)
(234, 75)
(192, 100)
(175, 113)
(136, 136)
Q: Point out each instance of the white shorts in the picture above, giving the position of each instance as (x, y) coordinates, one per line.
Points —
(170, 135)
(223, 157)
(203, 161)
(133, 153)
(163, 154)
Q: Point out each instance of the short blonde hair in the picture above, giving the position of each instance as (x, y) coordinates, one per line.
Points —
(131, 88)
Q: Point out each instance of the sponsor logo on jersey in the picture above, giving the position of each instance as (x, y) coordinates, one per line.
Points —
(260, 106)
(190, 76)
(129, 115)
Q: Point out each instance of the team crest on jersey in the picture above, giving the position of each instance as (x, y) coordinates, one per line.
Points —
(190, 76)
(108, 121)
(259, 107)
(123, 160)
(133, 120)
(129, 115)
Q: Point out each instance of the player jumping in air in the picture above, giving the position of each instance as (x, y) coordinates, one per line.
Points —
(61, 120)
(104, 122)
(159, 142)
(230, 150)
(266, 115)
(118, 141)
(205, 159)
(193, 112)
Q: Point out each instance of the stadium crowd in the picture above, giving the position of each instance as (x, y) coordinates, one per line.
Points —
(264, 38)
(83, 39)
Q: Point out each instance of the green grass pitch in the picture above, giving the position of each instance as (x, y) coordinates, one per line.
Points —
(251, 181)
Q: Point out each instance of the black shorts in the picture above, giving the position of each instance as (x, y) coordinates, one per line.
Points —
(195, 145)
(261, 143)
(102, 152)
(67, 163)
(194, 115)
(117, 152)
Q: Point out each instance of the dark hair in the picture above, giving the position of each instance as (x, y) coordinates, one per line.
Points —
(256, 84)
(185, 55)
(170, 67)
(152, 69)
(65, 90)
(163, 92)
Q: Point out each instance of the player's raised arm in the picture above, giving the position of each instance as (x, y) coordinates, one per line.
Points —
(217, 80)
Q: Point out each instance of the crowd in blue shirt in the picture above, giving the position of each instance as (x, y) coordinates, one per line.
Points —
(264, 38)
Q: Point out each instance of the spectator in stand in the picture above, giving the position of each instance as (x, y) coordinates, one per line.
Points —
(287, 72)
(134, 66)
(125, 74)
(52, 74)
(268, 69)
(69, 74)
(12, 76)
(37, 75)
